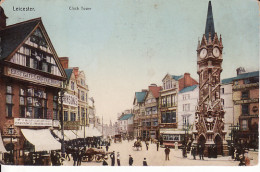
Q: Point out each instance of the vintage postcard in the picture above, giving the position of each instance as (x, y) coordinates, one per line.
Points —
(129, 83)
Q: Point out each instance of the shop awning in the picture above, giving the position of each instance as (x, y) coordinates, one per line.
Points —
(2, 148)
(42, 139)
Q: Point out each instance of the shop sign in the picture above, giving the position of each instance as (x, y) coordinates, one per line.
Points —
(238, 87)
(70, 100)
(32, 122)
(33, 77)
(71, 125)
(246, 101)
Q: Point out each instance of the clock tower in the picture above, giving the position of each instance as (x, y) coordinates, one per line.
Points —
(209, 117)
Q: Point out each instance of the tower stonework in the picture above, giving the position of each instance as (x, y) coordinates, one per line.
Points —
(209, 116)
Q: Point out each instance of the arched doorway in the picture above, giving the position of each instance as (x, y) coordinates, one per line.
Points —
(218, 143)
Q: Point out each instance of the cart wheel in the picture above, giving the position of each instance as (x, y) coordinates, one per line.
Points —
(98, 158)
(90, 158)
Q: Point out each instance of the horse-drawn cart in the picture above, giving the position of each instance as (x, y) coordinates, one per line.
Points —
(93, 153)
(137, 145)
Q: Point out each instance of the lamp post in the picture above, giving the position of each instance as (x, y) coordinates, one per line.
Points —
(62, 90)
(11, 132)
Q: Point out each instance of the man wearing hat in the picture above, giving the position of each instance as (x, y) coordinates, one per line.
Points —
(118, 159)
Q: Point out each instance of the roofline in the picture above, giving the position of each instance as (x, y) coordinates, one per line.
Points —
(27, 21)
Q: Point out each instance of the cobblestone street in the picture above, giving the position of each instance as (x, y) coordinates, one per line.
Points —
(155, 158)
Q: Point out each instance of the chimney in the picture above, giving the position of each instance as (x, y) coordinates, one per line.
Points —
(240, 70)
(76, 71)
(2, 18)
(64, 62)
(187, 80)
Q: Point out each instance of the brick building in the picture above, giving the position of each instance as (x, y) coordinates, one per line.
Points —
(31, 77)
(168, 105)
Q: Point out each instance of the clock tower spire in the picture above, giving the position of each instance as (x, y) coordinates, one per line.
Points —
(209, 116)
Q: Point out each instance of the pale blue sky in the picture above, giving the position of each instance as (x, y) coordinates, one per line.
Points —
(124, 46)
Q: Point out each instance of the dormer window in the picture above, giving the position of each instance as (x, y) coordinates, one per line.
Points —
(72, 85)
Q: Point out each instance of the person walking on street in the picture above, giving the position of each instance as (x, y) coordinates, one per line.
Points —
(193, 152)
(118, 159)
(131, 161)
(112, 156)
(201, 151)
(107, 147)
(145, 162)
(167, 153)
(147, 145)
(74, 156)
(158, 144)
(79, 157)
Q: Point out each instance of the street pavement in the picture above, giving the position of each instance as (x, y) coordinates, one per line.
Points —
(157, 158)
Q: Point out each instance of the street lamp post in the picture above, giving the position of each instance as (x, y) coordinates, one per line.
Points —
(62, 90)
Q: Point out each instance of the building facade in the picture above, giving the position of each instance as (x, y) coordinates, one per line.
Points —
(168, 106)
(149, 120)
(246, 107)
(31, 77)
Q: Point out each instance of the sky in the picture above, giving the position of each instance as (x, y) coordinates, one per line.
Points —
(124, 46)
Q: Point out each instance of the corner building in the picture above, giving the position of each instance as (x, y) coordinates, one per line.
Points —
(31, 77)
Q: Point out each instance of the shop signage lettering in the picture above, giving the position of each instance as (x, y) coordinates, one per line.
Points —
(237, 87)
(70, 100)
(246, 101)
(32, 122)
(33, 77)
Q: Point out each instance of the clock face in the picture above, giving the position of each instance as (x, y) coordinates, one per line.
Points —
(216, 52)
(203, 53)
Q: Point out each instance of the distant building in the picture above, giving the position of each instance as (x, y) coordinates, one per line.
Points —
(126, 124)
(138, 111)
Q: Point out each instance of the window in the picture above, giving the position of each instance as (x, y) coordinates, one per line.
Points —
(168, 99)
(82, 95)
(82, 82)
(173, 100)
(9, 101)
(154, 110)
(22, 109)
(148, 111)
(185, 121)
(244, 125)
(33, 57)
(163, 101)
(86, 97)
(65, 116)
(245, 109)
(155, 122)
(72, 85)
(186, 97)
(186, 107)
(55, 108)
(169, 117)
(245, 94)
(83, 115)
(72, 116)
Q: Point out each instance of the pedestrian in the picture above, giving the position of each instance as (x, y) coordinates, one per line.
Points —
(194, 152)
(107, 147)
(74, 157)
(79, 157)
(112, 156)
(158, 144)
(131, 160)
(105, 163)
(147, 145)
(145, 162)
(118, 159)
(167, 153)
(201, 151)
